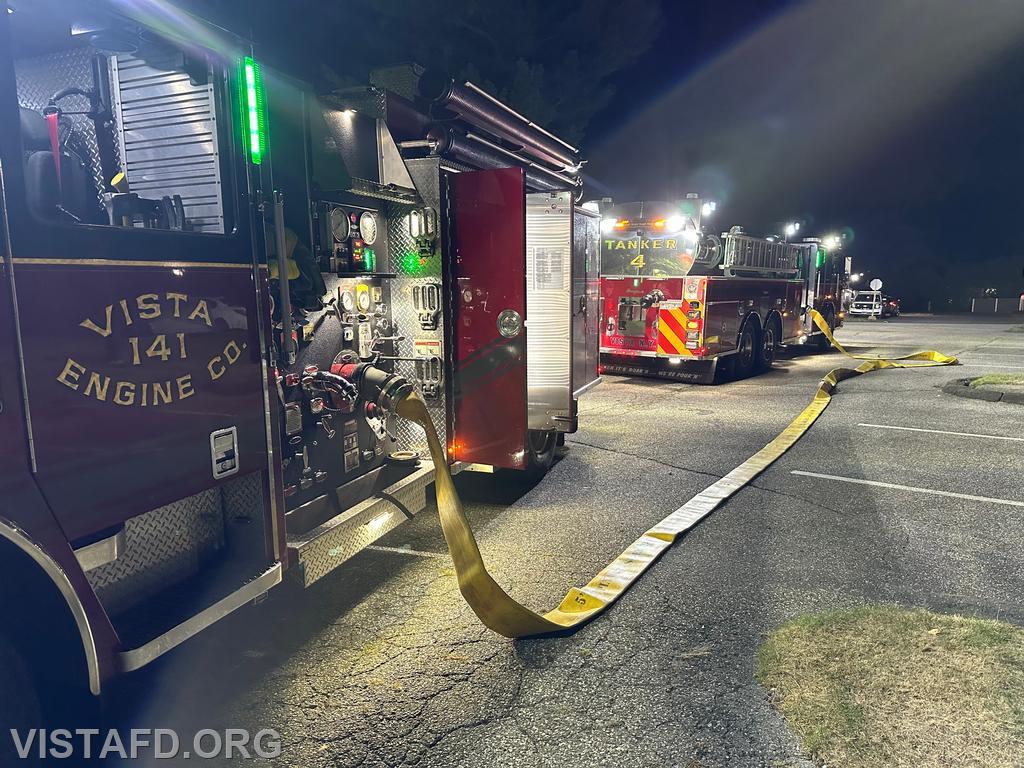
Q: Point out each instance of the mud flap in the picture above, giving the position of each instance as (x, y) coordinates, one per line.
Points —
(690, 371)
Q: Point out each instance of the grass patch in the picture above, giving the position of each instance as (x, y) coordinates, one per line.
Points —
(995, 379)
(879, 686)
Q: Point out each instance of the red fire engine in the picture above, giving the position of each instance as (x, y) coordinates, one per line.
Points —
(683, 304)
(204, 331)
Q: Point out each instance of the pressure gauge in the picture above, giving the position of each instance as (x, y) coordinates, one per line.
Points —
(363, 299)
(339, 225)
(368, 227)
(348, 302)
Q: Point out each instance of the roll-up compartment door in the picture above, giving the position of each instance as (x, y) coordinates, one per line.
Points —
(549, 288)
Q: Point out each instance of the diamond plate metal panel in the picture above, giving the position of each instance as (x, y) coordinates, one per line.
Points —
(325, 548)
(243, 497)
(39, 77)
(369, 188)
(162, 546)
(411, 272)
(401, 79)
(367, 101)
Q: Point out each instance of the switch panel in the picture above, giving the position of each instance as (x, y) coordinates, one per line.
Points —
(224, 452)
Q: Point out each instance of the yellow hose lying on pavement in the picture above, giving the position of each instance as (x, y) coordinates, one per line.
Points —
(504, 615)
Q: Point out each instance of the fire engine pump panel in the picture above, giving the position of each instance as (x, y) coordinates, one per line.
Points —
(337, 338)
(371, 286)
(397, 295)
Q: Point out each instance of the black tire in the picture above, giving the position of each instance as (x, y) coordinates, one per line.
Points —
(746, 350)
(821, 343)
(19, 704)
(540, 451)
(771, 337)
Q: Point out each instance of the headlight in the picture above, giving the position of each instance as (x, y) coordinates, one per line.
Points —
(674, 223)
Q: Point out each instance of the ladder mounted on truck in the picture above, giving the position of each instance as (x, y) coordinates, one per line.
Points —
(748, 256)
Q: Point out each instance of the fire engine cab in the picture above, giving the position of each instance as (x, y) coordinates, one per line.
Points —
(680, 303)
(215, 287)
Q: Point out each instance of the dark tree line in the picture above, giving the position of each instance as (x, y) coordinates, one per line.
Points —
(554, 62)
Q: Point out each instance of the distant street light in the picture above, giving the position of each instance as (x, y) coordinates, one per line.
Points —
(854, 277)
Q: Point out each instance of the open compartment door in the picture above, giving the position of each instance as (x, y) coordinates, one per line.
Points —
(487, 239)
(586, 298)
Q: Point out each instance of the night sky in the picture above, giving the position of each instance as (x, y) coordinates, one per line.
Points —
(896, 121)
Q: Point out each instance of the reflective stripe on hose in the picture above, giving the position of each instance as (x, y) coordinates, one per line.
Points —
(505, 616)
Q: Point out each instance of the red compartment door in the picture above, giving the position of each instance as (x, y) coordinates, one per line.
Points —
(488, 244)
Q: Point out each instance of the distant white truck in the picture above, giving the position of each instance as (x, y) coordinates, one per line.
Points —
(874, 304)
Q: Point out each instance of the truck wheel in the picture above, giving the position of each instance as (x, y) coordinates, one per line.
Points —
(540, 451)
(19, 703)
(769, 344)
(747, 350)
(820, 342)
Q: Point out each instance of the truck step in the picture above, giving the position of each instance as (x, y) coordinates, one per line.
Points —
(319, 551)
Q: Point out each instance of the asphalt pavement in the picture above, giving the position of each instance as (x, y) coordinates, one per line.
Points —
(899, 493)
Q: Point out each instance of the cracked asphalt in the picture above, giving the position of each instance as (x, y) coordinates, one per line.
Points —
(383, 664)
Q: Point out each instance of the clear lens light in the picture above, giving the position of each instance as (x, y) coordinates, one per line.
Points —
(707, 209)
(674, 223)
(607, 225)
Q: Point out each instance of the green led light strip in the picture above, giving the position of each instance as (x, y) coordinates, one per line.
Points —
(254, 120)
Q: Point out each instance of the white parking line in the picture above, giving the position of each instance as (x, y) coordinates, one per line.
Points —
(943, 432)
(404, 551)
(897, 487)
(989, 365)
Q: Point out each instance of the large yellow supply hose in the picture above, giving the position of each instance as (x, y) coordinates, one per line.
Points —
(507, 617)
